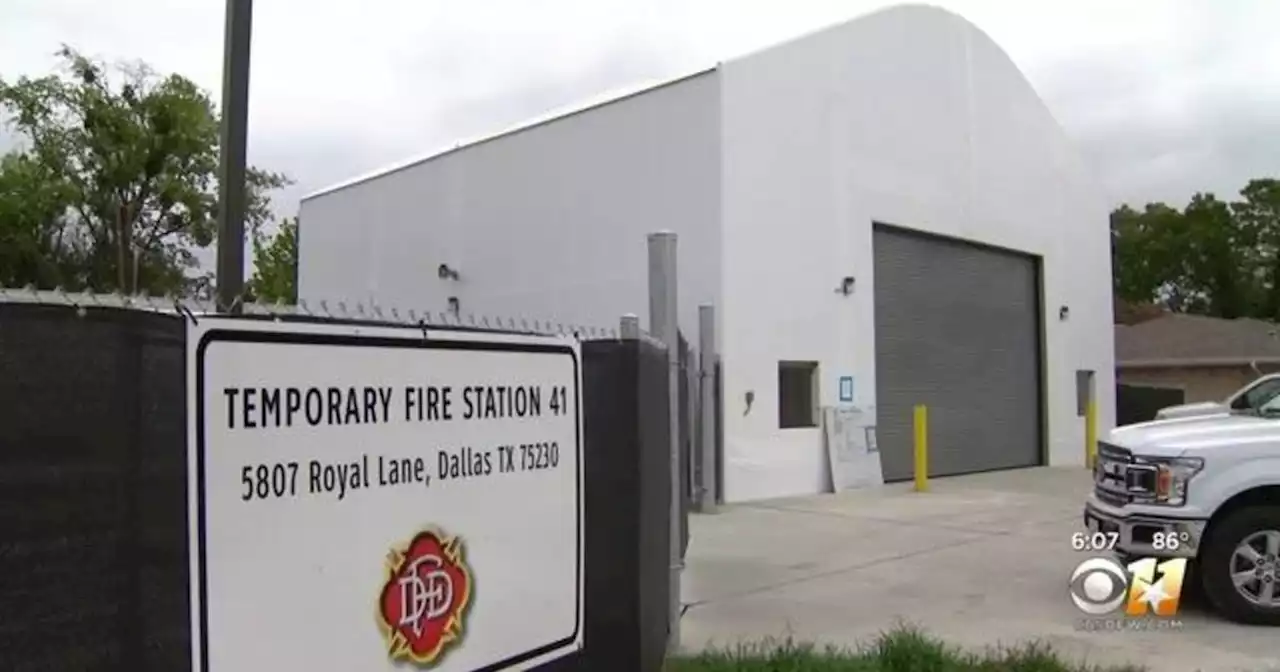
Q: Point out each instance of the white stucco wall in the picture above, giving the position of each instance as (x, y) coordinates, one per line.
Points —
(545, 223)
(909, 116)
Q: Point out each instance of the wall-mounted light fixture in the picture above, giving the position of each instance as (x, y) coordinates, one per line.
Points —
(447, 273)
(455, 306)
(845, 287)
(1063, 313)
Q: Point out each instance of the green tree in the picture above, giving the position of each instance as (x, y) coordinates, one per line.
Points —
(1258, 212)
(275, 265)
(117, 184)
(1211, 257)
(34, 247)
(1148, 255)
(1220, 258)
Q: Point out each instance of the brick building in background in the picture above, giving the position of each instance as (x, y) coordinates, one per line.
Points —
(1206, 358)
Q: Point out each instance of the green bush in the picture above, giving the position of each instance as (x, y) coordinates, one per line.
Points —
(903, 649)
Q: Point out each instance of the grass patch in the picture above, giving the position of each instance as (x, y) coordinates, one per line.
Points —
(903, 649)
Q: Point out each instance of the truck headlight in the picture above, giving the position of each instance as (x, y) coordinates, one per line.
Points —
(1172, 476)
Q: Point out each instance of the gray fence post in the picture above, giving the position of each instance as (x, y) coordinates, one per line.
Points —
(692, 462)
(708, 493)
(629, 327)
(663, 325)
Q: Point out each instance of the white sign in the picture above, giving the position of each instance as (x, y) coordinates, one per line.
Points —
(852, 454)
(383, 498)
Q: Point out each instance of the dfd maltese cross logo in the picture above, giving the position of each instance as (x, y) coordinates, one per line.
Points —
(425, 598)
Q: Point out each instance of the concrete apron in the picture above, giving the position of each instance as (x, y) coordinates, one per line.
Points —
(979, 561)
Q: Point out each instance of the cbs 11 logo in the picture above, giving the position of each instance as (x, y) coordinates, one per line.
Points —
(1100, 586)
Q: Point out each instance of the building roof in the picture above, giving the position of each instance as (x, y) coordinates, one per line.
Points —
(1178, 339)
(1126, 312)
(599, 100)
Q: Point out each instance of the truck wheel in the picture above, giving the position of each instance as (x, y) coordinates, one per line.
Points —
(1240, 567)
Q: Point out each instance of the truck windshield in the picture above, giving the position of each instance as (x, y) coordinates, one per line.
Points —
(1271, 408)
(1258, 394)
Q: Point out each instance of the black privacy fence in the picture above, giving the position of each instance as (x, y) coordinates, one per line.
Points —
(94, 558)
(1135, 403)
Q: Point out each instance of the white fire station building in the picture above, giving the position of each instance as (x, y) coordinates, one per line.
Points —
(883, 214)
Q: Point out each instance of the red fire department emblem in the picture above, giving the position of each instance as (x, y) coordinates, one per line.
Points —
(424, 601)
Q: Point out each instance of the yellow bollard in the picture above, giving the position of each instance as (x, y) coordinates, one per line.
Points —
(922, 448)
(1090, 434)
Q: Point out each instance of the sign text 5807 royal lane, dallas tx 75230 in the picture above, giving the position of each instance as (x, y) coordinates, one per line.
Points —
(368, 497)
(251, 408)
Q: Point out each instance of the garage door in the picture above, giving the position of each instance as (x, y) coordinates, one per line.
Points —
(957, 329)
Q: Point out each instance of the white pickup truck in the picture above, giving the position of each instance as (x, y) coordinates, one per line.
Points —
(1249, 397)
(1211, 485)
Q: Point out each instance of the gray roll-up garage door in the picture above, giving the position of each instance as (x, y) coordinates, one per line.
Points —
(957, 329)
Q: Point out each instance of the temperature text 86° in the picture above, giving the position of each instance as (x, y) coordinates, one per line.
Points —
(1169, 541)
(1094, 542)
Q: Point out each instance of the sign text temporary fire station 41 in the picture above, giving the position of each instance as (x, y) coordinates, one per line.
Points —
(371, 498)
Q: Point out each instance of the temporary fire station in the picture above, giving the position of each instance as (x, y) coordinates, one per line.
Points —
(883, 214)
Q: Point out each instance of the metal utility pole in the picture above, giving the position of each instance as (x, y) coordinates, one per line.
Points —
(234, 137)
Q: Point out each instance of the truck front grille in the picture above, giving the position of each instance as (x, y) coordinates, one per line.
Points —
(1112, 498)
(1117, 478)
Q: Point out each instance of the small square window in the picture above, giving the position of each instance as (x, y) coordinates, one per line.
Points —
(797, 394)
(1084, 391)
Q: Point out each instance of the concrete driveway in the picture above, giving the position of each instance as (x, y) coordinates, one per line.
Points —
(979, 560)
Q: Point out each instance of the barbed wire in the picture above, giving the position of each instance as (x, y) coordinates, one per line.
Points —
(335, 310)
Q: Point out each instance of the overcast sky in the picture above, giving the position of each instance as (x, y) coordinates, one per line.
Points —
(1164, 97)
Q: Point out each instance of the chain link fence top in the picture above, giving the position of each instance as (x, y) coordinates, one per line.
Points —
(322, 310)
